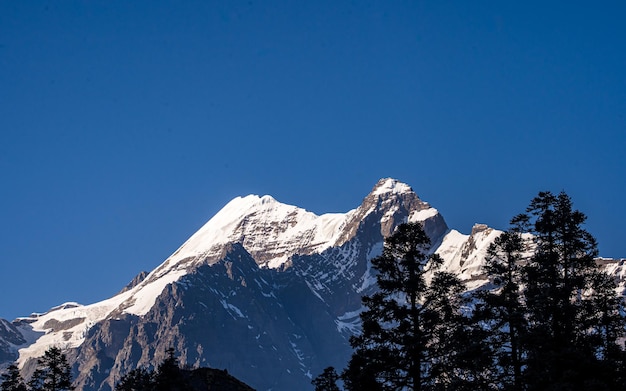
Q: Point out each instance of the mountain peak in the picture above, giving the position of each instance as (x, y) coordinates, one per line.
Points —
(390, 185)
(271, 231)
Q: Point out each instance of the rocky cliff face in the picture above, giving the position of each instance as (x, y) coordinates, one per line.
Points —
(229, 314)
(268, 291)
(10, 336)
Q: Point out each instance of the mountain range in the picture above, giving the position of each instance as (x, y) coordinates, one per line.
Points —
(268, 291)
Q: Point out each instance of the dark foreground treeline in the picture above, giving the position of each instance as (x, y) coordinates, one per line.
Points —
(53, 374)
(548, 320)
(169, 376)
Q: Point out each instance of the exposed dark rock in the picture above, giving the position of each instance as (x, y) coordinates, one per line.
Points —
(9, 337)
(135, 281)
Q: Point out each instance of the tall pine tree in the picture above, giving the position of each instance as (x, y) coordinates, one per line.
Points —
(12, 380)
(412, 326)
(327, 380)
(169, 376)
(500, 311)
(53, 373)
(139, 379)
(573, 313)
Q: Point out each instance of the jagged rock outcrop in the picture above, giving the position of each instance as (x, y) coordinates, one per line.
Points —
(135, 281)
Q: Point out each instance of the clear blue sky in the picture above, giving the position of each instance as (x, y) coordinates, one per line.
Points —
(124, 126)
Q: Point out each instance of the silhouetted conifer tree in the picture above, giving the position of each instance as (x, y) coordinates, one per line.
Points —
(412, 328)
(53, 373)
(573, 313)
(500, 312)
(326, 381)
(139, 379)
(169, 375)
(12, 380)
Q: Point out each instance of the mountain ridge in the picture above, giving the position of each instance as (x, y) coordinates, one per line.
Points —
(267, 290)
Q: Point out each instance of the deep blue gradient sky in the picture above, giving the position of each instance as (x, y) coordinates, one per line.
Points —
(124, 126)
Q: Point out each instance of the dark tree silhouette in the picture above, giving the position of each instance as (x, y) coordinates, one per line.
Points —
(12, 380)
(326, 381)
(139, 379)
(573, 313)
(169, 376)
(500, 310)
(412, 328)
(53, 373)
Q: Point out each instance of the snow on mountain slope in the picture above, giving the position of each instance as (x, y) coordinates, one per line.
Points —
(464, 255)
(617, 269)
(270, 231)
(67, 325)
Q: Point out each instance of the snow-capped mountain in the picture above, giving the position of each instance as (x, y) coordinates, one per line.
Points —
(269, 291)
